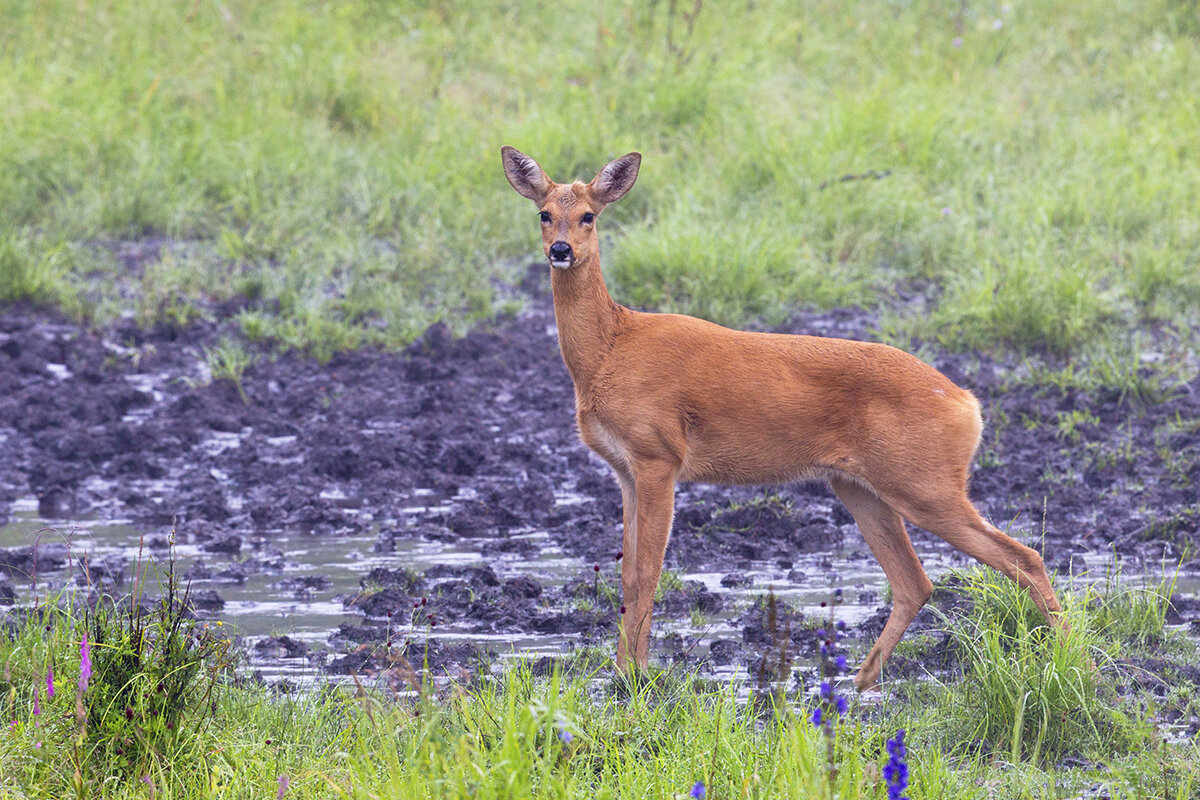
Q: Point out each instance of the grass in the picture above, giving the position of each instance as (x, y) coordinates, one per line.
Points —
(1025, 699)
(1030, 168)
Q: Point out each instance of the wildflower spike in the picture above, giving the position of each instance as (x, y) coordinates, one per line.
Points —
(85, 663)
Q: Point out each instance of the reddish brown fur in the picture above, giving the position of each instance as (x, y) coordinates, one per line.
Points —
(666, 398)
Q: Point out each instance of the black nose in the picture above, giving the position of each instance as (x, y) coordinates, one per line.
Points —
(560, 251)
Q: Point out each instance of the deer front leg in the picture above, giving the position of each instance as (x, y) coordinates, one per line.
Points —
(654, 508)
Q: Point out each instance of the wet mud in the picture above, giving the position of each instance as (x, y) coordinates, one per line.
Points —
(470, 443)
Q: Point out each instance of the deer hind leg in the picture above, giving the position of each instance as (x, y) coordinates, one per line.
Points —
(629, 561)
(957, 521)
(654, 508)
(883, 529)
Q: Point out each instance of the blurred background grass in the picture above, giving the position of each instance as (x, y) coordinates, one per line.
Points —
(337, 163)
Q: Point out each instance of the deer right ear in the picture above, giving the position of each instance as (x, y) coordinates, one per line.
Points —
(525, 174)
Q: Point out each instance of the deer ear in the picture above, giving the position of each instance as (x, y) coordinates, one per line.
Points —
(525, 174)
(617, 178)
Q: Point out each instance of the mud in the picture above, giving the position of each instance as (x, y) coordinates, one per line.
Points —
(470, 443)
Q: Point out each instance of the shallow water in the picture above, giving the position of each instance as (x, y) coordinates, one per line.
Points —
(261, 604)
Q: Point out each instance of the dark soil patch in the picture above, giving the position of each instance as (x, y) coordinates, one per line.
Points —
(121, 423)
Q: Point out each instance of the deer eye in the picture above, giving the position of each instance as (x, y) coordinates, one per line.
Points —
(545, 217)
(588, 218)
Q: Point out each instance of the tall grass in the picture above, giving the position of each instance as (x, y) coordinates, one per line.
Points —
(1031, 691)
(341, 159)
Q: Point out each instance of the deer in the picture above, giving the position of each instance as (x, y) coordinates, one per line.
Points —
(668, 398)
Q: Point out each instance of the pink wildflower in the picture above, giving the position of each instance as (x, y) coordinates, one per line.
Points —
(85, 664)
(50, 682)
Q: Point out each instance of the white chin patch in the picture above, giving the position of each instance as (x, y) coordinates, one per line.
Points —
(560, 264)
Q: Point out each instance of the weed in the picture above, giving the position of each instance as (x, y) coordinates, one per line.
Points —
(1070, 421)
(152, 681)
(668, 582)
(1035, 691)
(1133, 615)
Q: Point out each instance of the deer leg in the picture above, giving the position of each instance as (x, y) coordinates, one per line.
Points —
(654, 487)
(959, 523)
(629, 561)
(883, 529)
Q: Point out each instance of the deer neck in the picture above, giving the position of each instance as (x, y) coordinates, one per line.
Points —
(587, 319)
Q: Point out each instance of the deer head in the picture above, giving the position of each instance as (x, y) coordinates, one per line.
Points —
(569, 211)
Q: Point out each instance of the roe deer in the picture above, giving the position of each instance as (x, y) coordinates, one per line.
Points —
(666, 398)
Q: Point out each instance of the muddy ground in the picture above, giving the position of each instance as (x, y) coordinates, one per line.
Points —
(123, 423)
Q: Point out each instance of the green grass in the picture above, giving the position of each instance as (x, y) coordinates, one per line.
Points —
(1024, 700)
(339, 162)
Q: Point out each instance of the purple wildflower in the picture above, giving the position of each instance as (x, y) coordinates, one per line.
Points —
(840, 663)
(283, 787)
(826, 689)
(697, 791)
(564, 736)
(817, 716)
(85, 663)
(50, 682)
(957, 41)
(37, 707)
(896, 770)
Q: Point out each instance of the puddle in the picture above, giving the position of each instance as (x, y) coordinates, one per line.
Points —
(298, 585)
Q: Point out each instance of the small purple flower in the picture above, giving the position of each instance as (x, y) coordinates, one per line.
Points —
(283, 787)
(564, 736)
(957, 41)
(697, 791)
(896, 770)
(822, 634)
(37, 707)
(945, 211)
(817, 716)
(841, 704)
(50, 682)
(85, 663)
(840, 663)
(826, 689)
(997, 24)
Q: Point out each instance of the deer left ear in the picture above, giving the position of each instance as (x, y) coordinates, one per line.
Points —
(617, 178)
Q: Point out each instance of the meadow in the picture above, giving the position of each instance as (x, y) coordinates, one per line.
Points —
(1026, 172)
(1010, 181)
